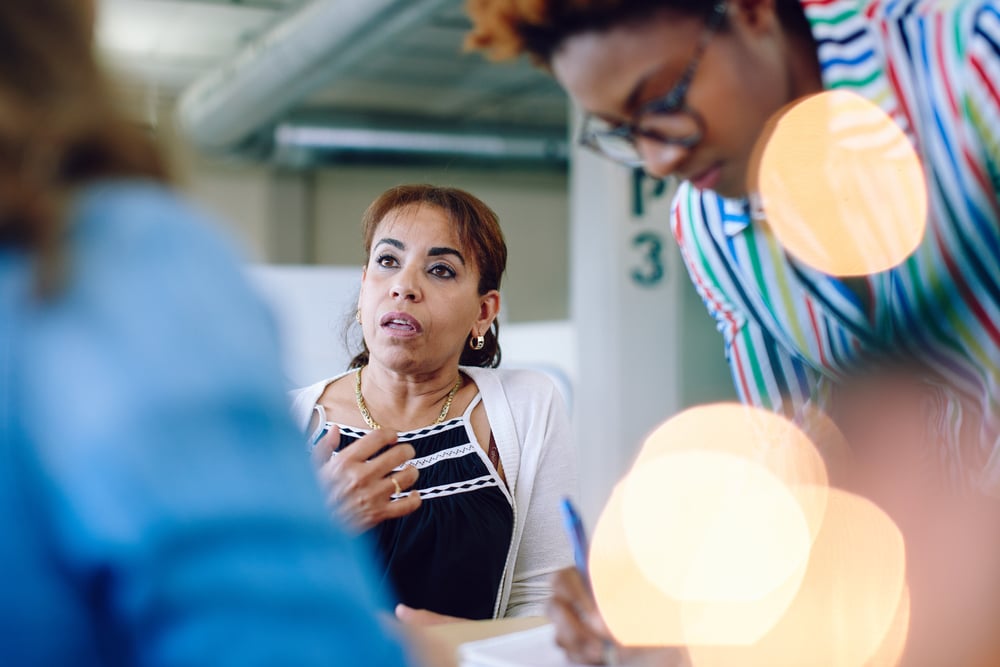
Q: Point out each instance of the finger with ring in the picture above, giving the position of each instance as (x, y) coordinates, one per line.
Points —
(395, 483)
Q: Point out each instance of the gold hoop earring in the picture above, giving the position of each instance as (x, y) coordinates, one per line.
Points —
(357, 315)
(477, 342)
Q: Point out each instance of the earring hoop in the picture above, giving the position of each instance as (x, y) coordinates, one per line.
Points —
(357, 315)
(477, 342)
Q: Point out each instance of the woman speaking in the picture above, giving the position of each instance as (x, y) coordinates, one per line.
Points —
(454, 466)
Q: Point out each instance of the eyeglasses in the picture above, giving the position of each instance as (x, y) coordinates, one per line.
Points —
(666, 119)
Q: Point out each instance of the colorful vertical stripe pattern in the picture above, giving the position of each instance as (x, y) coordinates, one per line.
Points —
(789, 331)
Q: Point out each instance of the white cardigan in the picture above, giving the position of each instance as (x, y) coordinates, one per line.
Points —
(531, 427)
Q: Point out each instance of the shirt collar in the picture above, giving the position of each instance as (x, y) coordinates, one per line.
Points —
(846, 44)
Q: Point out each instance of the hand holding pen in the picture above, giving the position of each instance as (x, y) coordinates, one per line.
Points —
(580, 630)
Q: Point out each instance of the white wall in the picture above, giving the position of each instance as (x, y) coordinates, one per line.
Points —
(313, 306)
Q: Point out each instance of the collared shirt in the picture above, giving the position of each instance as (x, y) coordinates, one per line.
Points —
(790, 330)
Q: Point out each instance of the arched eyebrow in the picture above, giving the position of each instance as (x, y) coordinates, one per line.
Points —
(393, 242)
(436, 251)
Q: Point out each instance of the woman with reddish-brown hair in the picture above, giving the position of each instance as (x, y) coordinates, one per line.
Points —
(453, 466)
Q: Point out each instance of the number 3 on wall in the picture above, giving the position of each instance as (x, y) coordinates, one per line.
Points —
(651, 272)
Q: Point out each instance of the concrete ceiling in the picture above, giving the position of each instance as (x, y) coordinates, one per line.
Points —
(167, 44)
(411, 76)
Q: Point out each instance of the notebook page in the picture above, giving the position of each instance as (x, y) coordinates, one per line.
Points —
(529, 648)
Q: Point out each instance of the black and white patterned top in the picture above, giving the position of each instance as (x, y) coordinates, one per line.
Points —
(449, 555)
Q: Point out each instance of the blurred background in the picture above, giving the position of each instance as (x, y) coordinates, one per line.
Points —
(286, 118)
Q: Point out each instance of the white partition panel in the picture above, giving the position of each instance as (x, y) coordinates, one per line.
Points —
(314, 304)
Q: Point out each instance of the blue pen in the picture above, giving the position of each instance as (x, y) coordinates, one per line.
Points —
(578, 538)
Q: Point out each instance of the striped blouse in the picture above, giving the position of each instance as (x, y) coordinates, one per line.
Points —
(790, 331)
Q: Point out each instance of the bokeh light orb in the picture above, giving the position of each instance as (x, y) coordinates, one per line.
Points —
(725, 537)
(841, 185)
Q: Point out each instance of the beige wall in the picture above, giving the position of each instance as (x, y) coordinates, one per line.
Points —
(305, 217)
(314, 217)
(533, 210)
(239, 197)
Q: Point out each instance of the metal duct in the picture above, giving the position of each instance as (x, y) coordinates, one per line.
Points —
(301, 55)
(486, 145)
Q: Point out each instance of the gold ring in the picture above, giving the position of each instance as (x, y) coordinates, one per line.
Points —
(396, 484)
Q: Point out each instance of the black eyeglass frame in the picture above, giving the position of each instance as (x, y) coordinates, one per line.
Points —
(670, 103)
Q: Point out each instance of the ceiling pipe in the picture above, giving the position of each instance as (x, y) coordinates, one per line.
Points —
(226, 107)
(294, 139)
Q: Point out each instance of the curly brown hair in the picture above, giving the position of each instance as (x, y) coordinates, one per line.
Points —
(508, 28)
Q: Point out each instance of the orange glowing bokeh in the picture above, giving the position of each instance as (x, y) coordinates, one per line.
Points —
(718, 505)
(686, 516)
(750, 433)
(852, 609)
(635, 610)
(725, 538)
(841, 185)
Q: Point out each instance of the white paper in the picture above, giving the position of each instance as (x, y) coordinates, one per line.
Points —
(529, 648)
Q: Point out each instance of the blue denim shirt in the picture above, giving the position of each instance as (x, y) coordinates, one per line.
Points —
(156, 507)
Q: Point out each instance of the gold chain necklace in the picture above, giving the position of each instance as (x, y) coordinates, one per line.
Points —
(363, 407)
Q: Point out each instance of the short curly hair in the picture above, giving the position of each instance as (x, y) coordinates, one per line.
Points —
(507, 28)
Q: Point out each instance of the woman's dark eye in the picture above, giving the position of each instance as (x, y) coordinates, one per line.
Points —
(442, 271)
(386, 260)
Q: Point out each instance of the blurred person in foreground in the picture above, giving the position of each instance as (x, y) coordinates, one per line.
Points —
(156, 506)
(452, 466)
(685, 88)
